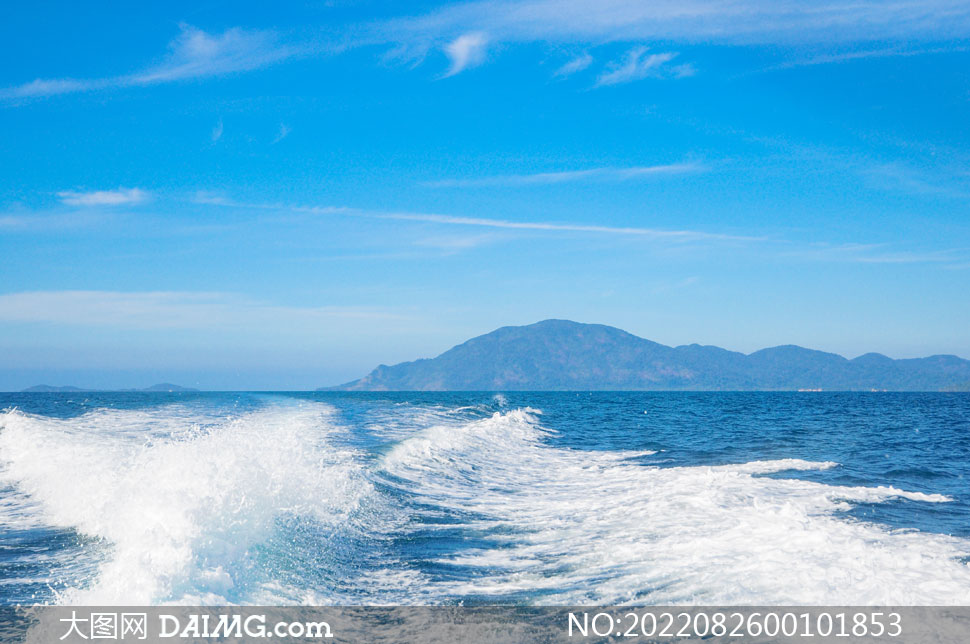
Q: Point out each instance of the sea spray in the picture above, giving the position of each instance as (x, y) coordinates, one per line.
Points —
(570, 526)
(178, 513)
(444, 498)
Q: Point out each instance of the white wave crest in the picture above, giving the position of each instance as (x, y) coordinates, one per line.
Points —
(572, 526)
(177, 499)
(185, 504)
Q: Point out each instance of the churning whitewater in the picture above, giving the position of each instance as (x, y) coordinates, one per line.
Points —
(446, 498)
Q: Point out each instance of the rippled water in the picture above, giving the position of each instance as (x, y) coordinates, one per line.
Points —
(549, 498)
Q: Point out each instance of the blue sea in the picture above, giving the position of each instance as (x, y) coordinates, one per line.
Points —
(483, 498)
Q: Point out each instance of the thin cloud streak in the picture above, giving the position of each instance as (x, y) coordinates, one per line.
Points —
(29, 223)
(739, 22)
(165, 310)
(856, 253)
(850, 252)
(901, 178)
(192, 54)
(694, 21)
(450, 220)
(571, 176)
(843, 57)
(464, 31)
(574, 66)
(638, 64)
(553, 227)
(119, 197)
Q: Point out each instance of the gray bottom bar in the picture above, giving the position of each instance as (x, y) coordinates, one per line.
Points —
(487, 624)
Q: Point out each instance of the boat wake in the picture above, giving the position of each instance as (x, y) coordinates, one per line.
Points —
(180, 504)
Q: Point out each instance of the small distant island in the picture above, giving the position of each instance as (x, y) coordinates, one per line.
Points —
(162, 387)
(561, 355)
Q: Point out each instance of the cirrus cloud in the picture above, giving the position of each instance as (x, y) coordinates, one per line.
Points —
(577, 64)
(119, 197)
(572, 176)
(638, 64)
(192, 54)
(166, 310)
(467, 50)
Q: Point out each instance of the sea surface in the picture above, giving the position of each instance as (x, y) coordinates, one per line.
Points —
(478, 498)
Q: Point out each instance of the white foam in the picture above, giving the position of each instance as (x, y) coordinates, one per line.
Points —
(186, 501)
(595, 527)
(403, 420)
(177, 499)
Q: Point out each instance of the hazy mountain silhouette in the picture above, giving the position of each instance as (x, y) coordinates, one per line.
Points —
(48, 389)
(161, 387)
(565, 355)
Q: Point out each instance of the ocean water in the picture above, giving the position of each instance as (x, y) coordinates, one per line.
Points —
(477, 498)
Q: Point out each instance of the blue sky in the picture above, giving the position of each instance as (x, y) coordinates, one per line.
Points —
(236, 195)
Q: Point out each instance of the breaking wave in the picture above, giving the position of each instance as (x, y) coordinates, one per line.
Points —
(578, 527)
(178, 507)
(285, 503)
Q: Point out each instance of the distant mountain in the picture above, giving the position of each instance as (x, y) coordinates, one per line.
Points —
(161, 387)
(48, 389)
(165, 387)
(564, 355)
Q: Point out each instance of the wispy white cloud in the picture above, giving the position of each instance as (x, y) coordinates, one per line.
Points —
(571, 176)
(52, 87)
(210, 198)
(467, 50)
(451, 244)
(576, 65)
(282, 134)
(195, 54)
(119, 197)
(464, 31)
(166, 310)
(909, 257)
(792, 23)
(904, 178)
(629, 231)
(777, 247)
(694, 21)
(639, 64)
(864, 54)
(217, 131)
(481, 222)
(33, 222)
(192, 54)
(857, 253)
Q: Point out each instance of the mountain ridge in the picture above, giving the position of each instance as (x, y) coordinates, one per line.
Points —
(564, 355)
(165, 387)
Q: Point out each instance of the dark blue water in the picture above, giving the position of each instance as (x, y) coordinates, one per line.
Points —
(131, 498)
